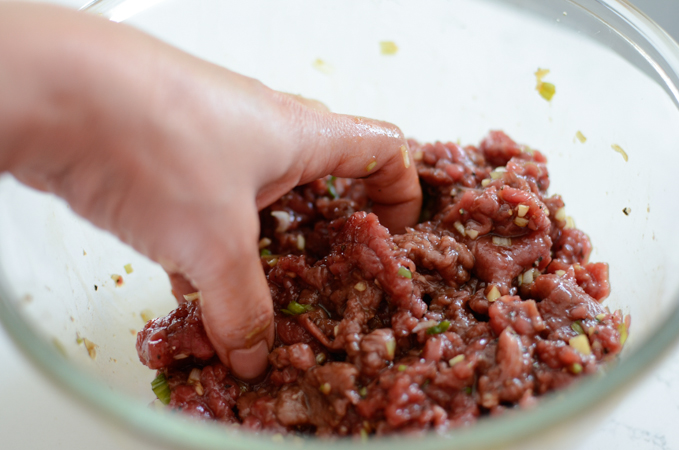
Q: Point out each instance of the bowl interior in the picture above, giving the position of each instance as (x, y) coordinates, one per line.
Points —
(461, 68)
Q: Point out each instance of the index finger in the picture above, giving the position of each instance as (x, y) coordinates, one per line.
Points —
(357, 147)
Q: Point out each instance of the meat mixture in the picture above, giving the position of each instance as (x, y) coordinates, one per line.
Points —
(485, 305)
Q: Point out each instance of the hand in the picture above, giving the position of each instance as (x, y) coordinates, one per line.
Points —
(176, 156)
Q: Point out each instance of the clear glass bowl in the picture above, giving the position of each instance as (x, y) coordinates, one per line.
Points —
(462, 68)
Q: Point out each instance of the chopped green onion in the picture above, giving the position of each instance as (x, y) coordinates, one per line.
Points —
(468, 390)
(455, 360)
(331, 188)
(371, 165)
(265, 252)
(388, 48)
(575, 326)
(161, 388)
(271, 260)
(404, 272)
(391, 348)
(402, 368)
(363, 392)
(364, 434)
(576, 368)
(440, 328)
(295, 309)
(146, 315)
(547, 90)
(619, 149)
(622, 329)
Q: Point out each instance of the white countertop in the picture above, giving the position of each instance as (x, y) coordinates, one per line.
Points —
(35, 414)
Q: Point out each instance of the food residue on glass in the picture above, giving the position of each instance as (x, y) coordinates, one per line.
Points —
(619, 149)
(388, 48)
(322, 66)
(146, 315)
(89, 345)
(545, 89)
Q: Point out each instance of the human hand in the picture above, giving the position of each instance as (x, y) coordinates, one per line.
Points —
(175, 156)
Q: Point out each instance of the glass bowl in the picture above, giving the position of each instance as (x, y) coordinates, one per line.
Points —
(461, 69)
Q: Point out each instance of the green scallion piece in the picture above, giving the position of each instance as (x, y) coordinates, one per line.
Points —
(547, 90)
(161, 388)
(331, 188)
(402, 368)
(576, 368)
(363, 392)
(440, 328)
(404, 272)
(364, 434)
(468, 390)
(622, 330)
(265, 252)
(575, 326)
(295, 309)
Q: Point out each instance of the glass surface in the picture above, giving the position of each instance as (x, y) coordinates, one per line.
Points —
(462, 68)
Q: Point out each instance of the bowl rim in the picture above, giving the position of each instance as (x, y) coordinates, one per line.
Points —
(182, 433)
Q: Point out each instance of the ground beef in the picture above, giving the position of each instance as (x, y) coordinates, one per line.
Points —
(487, 303)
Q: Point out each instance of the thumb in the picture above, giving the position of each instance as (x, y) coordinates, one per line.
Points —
(235, 298)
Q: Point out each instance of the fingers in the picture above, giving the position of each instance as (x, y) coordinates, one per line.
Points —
(236, 302)
(356, 147)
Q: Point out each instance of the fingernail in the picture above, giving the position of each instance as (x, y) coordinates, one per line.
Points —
(249, 363)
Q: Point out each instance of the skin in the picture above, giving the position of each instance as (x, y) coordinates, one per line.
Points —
(175, 156)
